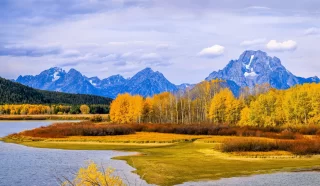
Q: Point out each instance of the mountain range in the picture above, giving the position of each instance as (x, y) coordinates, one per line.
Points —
(146, 83)
(252, 68)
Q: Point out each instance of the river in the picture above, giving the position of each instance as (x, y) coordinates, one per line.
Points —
(27, 166)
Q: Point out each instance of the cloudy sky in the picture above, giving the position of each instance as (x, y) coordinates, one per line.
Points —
(184, 39)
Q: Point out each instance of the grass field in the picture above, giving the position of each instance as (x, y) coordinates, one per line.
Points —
(169, 159)
(50, 117)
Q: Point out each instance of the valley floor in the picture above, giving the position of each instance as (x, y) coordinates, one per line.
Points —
(170, 159)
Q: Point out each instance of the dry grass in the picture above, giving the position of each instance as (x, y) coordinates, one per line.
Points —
(222, 139)
(85, 128)
(51, 117)
(139, 137)
(304, 146)
(269, 154)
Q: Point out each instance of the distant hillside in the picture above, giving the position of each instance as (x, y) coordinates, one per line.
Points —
(16, 93)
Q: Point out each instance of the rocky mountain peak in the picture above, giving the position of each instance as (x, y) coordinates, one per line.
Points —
(256, 67)
(146, 72)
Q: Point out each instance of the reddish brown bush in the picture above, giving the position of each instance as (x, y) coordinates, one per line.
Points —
(78, 129)
(300, 146)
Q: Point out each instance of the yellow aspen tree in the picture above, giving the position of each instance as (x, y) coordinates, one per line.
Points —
(245, 117)
(94, 175)
(147, 111)
(119, 109)
(221, 106)
(83, 108)
(136, 107)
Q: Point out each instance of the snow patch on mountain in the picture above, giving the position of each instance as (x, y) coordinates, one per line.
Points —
(56, 76)
(250, 74)
(92, 83)
(251, 58)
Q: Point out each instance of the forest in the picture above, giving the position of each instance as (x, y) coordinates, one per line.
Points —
(16, 93)
(210, 103)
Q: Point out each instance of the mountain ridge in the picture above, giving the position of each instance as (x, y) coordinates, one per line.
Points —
(146, 83)
(250, 69)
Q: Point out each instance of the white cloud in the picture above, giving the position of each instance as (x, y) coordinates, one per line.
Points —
(259, 7)
(71, 53)
(312, 31)
(289, 45)
(150, 56)
(254, 42)
(154, 59)
(118, 43)
(214, 51)
(163, 46)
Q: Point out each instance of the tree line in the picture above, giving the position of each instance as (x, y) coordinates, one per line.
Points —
(210, 102)
(30, 109)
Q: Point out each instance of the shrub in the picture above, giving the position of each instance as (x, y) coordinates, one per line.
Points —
(96, 118)
(78, 129)
(85, 109)
(241, 145)
(299, 146)
(93, 175)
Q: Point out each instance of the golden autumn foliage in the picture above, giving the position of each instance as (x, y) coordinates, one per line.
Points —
(84, 109)
(225, 108)
(27, 109)
(209, 102)
(297, 105)
(126, 109)
(191, 106)
(91, 175)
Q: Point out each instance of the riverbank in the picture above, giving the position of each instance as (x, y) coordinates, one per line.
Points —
(52, 117)
(170, 159)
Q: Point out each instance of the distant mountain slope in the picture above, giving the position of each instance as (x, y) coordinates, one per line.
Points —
(147, 83)
(16, 93)
(256, 67)
(56, 79)
(109, 87)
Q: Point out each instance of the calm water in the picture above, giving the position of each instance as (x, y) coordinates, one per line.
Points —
(26, 166)
(277, 179)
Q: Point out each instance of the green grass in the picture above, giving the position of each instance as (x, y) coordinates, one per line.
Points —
(190, 161)
(198, 161)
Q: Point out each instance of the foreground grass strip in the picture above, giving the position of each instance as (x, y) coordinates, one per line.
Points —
(51, 117)
(198, 161)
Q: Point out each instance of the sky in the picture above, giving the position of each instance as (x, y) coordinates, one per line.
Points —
(183, 39)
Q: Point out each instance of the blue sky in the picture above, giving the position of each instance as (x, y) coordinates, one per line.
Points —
(184, 39)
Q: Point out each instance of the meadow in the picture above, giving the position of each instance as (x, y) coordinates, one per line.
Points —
(168, 158)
